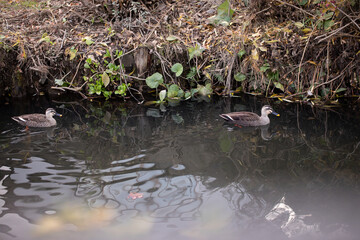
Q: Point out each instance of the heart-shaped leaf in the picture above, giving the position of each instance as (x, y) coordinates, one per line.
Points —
(154, 80)
(173, 91)
(177, 68)
(279, 86)
(240, 77)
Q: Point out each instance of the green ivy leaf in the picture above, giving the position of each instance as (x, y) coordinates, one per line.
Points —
(205, 90)
(154, 80)
(193, 91)
(328, 15)
(195, 51)
(279, 86)
(98, 88)
(208, 86)
(107, 94)
(187, 95)
(91, 88)
(240, 77)
(178, 69)
(173, 91)
(224, 14)
(241, 53)
(192, 73)
(302, 2)
(328, 24)
(265, 67)
(121, 89)
(88, 41)
(181, 93)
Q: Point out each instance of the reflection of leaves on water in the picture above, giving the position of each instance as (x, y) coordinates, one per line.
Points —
(153, 112)
(226, 142)
(177, 118)
(87, 223)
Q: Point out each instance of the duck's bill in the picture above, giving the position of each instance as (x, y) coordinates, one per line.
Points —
(276, 114)
(58, 114)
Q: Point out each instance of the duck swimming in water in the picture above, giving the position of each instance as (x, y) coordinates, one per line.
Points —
(37, 119)
(250, 118)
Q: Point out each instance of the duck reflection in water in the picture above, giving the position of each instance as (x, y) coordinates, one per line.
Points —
(265, 133)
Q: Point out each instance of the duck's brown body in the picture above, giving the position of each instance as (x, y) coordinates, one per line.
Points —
(38, 120)
(250, 118)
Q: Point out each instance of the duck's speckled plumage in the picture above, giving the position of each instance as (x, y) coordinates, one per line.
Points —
(250, 118)
(37, 119)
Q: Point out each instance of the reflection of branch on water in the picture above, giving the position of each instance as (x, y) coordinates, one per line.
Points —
(298, 125)
(243, 201)
(292, 224)
(350, 154)
(72, 104)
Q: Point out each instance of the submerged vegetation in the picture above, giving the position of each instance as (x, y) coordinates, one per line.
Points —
(291, 49)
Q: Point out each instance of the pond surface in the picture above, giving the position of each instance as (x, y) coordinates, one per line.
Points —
(116, 171)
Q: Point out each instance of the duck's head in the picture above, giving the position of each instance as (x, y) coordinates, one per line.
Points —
(266, 110)
(50, 112)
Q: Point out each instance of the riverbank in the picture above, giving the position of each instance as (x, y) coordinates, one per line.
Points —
(125, 49)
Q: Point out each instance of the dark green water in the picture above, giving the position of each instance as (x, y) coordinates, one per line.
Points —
(115, 171)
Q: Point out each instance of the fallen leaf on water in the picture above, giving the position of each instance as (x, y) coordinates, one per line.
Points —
(135, 195)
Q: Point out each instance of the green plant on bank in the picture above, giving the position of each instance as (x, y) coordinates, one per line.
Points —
(173, 91)
(326, 11)
(103, 75)
(22, 4)
(195, 51)
(224, 14)
(273, 77)
(88, 41)
(111, 32)
(2, 43)
(240, 77)
(46, 38)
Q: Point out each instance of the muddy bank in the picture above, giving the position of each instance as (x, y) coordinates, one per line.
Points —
(282, 49)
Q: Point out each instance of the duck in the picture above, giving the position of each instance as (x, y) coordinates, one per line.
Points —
(37, 119)
(250, 118)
